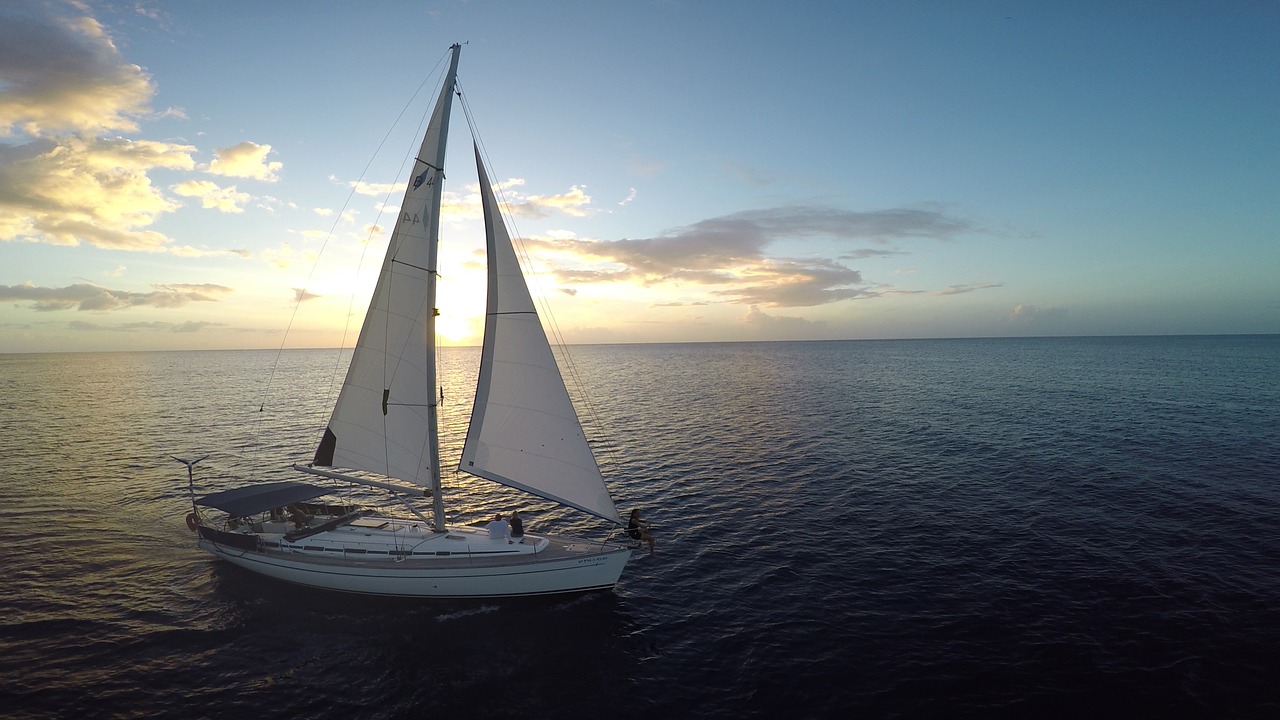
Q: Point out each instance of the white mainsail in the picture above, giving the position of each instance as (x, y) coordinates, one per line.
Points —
(384, 419)
(524, 431)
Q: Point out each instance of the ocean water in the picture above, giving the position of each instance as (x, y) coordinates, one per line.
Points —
(1083, 527)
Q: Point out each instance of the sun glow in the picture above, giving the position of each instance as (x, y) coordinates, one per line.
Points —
(454, 329)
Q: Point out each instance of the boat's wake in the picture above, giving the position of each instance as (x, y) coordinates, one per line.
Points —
(459, 614)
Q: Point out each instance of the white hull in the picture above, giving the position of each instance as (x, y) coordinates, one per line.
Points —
(474, 566)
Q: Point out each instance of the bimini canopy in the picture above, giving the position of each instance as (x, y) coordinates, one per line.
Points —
(240, 502)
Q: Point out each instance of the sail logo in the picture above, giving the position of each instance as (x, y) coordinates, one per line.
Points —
(417, 182)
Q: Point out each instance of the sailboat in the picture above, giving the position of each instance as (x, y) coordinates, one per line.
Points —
(383, 432)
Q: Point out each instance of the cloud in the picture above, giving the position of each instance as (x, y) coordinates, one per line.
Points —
(727, 256)
(70, 190)
(772, 324)
(63, 85)
(86, 296)
(284, 256)
(227, 200)
(361, 187)
(864, 253)
(188, 251)
(1032, 316)
(190, 326)
(965, 288)
(573, 202)
(60, 72)
(244, 160)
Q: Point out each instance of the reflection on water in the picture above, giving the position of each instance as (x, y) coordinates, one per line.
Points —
(931, 528)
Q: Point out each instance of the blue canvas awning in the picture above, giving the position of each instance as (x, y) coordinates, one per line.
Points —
(252, 499)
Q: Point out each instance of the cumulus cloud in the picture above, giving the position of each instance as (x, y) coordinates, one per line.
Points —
(72, 189)
(573, 202)
(61, 82)
(1033, 316)
(60, 72)
(64, 87)
(728, 257)
(245, 160)
(227, 200)
(86, 296)
(789, 326)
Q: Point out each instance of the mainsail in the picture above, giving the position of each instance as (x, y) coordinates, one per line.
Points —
(524, 431)
(384, 419)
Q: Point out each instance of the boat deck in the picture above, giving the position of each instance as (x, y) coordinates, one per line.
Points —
(375, 540)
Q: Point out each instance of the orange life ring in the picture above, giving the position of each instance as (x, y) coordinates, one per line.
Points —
(192, 522)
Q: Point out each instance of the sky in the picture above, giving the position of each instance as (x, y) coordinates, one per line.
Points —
(203, 175)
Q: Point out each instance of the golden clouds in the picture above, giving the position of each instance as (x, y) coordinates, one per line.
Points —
(726, 259)
(574, 202)
(72, 189)
(63, 85)
(245, 160)
(227, 200)
(62, 74)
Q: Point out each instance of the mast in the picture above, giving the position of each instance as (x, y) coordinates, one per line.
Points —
(433, 252)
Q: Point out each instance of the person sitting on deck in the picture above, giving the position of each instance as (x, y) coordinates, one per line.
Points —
(517, 527)
(639, 529)
(498, 529)
(299, 518)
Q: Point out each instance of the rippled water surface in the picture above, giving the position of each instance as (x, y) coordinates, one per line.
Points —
(965, 528)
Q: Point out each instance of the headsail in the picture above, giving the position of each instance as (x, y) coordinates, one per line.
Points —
(384, 419)
(524, 431)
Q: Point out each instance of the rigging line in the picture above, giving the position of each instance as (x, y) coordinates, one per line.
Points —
(604, 444)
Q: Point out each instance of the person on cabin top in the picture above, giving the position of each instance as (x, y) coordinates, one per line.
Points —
(498, 529)
(517, 527)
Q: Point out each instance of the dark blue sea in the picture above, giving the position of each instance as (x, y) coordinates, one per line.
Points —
(1000, 528)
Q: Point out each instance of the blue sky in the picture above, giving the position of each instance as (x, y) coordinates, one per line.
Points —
(680, 171)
